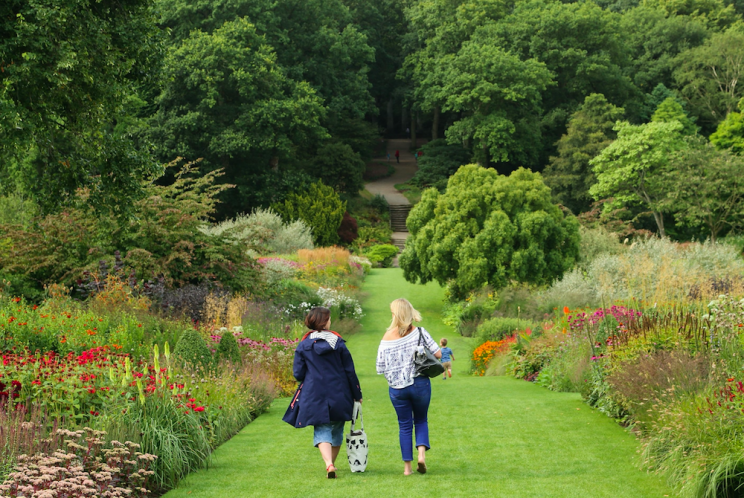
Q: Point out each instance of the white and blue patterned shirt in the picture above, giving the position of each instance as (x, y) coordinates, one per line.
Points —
(395, 358)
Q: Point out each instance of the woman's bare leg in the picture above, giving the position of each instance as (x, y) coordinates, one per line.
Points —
(326, 452)
(407, 470)
(334, 451)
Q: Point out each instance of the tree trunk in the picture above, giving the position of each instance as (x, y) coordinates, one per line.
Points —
(484, 149)
(390, 117)
(413, 130)
(659, 217)
(274, 163)
(403, 120)
(435, 123)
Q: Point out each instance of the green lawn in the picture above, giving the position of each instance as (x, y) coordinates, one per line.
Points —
(490, 436)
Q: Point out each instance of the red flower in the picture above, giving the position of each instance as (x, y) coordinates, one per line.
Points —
(199, 409)
(566, 310)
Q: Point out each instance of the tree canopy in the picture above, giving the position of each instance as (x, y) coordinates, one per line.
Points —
(631, 170)
(590, 130)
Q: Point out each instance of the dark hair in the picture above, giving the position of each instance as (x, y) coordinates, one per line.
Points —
(317, 318)
(443, 341)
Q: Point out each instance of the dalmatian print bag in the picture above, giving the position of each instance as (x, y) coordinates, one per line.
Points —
(356, 442)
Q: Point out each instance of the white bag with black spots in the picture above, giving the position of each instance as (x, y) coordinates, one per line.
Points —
(357, 446)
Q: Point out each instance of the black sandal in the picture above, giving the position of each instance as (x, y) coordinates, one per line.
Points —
(421, 468)
(331, 473)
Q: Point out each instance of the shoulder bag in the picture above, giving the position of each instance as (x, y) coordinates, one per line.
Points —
(425, 363)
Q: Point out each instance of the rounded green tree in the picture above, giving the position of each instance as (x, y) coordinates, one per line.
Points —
(320, 208)
(192, 350)
(228, 348)
(489, 229)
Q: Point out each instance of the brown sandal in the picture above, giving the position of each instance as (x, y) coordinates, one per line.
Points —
(421, 468)
(331, 473)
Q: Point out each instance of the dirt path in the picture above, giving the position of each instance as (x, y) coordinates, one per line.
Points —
(404, 171)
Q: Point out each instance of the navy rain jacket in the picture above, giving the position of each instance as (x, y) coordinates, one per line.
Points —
(329, 383)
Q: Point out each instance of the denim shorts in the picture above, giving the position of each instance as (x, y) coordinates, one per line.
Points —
(329, 433)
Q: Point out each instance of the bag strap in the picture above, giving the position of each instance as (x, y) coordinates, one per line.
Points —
(357, 413)
(420, 335)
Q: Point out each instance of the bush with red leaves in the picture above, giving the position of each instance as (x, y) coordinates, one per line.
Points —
(348, 229)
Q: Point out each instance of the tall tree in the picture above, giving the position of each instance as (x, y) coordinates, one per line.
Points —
(438, 29)
(653, 41)
(730, 131)
(314, 40)
(671, 110)
(227, 101)
(709, 76)
(717, 14)
(590, 130)
(67, 68)
(580, 44)
(706, 188)
(498, 96)
(631, 169)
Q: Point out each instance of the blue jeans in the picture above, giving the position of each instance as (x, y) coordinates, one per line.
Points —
(329, 433)
(412, 406)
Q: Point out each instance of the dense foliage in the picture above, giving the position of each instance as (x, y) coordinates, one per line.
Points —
(320, 208)
(489, 229)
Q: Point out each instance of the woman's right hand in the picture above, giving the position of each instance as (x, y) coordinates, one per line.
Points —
(360, 401)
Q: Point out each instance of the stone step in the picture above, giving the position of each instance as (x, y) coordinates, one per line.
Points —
(398, 217)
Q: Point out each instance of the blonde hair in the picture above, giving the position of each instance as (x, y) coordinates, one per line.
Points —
(404, 315)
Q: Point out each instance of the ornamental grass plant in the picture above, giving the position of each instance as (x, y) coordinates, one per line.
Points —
(653, 271)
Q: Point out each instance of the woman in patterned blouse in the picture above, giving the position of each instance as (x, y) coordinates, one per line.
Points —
(410, 395)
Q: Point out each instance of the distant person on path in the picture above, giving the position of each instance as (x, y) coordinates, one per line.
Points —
(397, 156)
(408, 133)
(329, 386)
(410, 395)
(447, 358)
(388, 157)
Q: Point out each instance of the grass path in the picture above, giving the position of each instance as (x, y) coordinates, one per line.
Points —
(490, 436)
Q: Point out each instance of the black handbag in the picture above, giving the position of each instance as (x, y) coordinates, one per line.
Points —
(425, 363)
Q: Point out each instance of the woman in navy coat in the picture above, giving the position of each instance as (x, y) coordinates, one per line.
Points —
(329, 386)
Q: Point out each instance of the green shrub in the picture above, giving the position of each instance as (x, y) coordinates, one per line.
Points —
(379, 203)
(496, 329)
(595, 242)
(371, 236)
(439, 161)
(295, 297)
(489, 229)
(320, 208)
(163, 237)
(264, 232)
(382, 254)
(339, 166)
(228, 349)
(193, 351)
